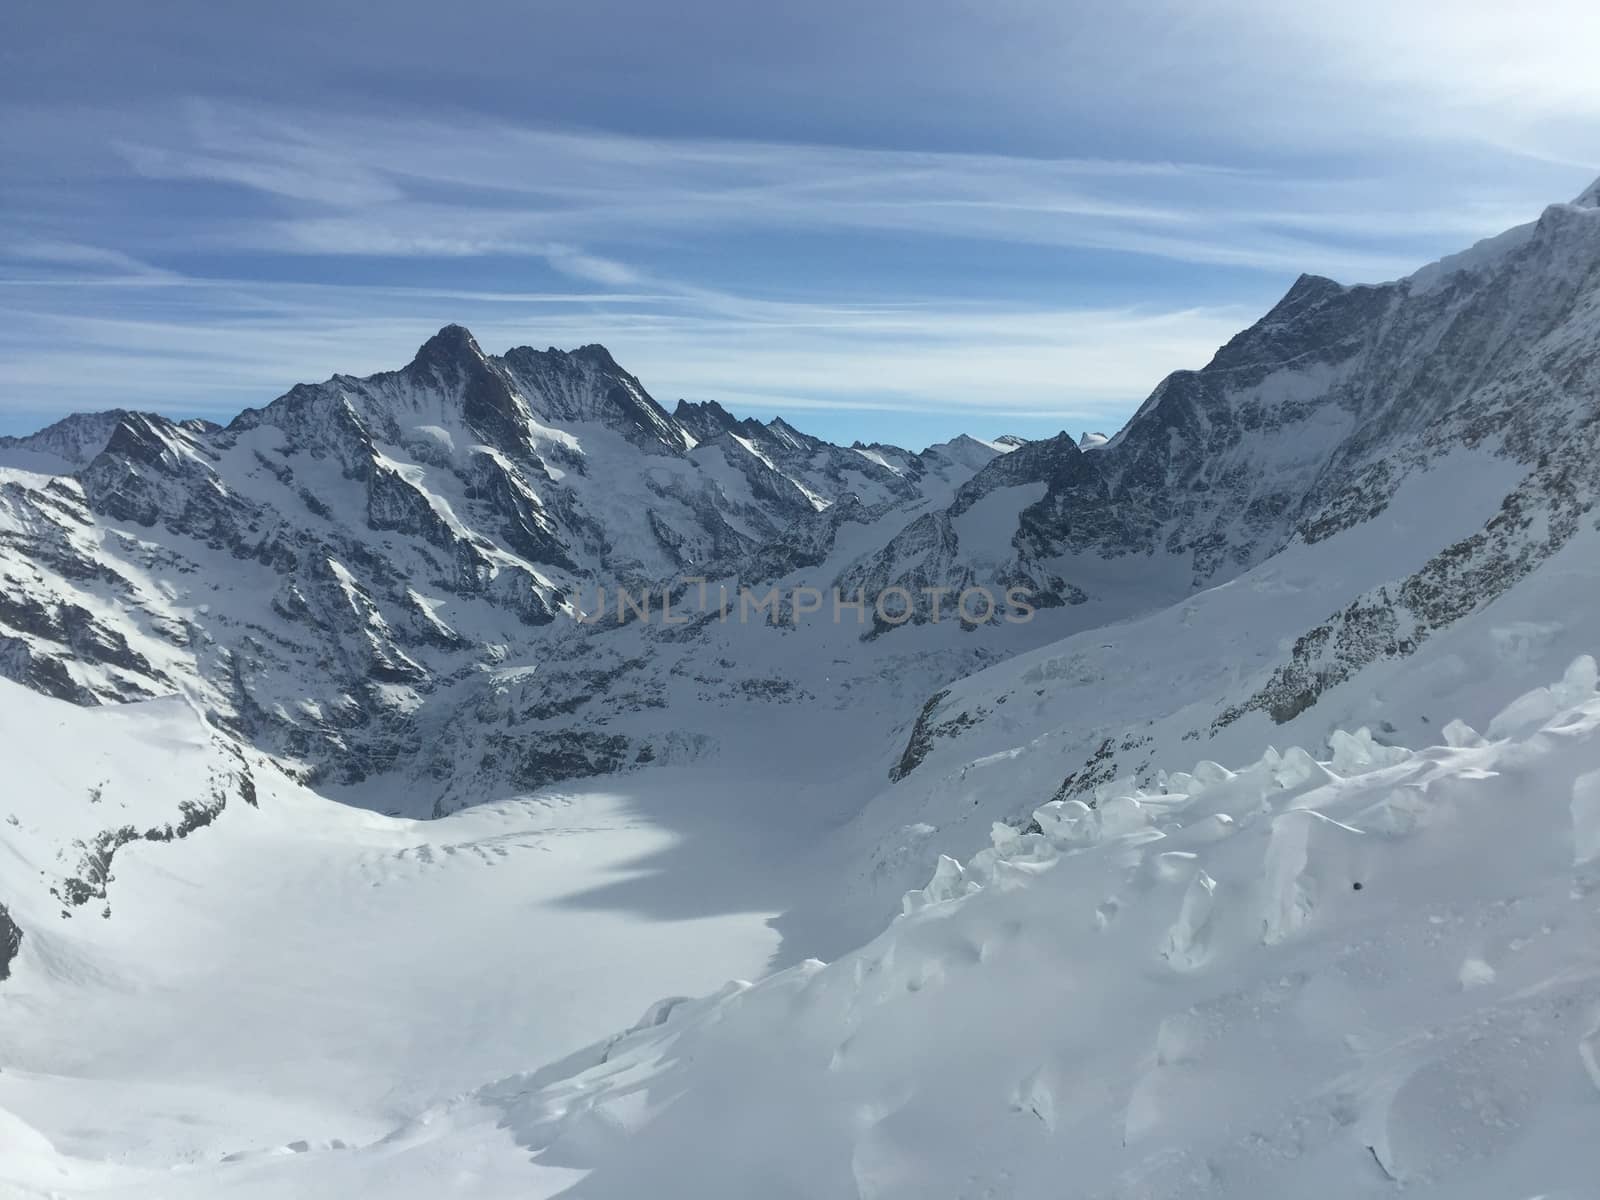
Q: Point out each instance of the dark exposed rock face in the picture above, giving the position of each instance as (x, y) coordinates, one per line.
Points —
(928, 730)
(1099, 768)
(920, 741)
(1050, 461)
(539, 759)
(10, 942)
(73, 440)
(92, 873)
(1533, 523)
(806, 543)
(450, 363)
(588, 385)
(812, 471)
(705, 419)
(928, 553)
(515, 514)
(76, 628)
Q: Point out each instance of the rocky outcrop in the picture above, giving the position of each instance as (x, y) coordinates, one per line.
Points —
(705, 419)
(92, 874)
(69, 444)
(588, 385)
(1534, 522)
(927, 557)
(10, 942)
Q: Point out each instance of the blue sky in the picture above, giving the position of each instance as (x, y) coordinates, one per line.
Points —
(885, 220)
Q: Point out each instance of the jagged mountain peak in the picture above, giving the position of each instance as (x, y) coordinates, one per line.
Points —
(596, 354)
(964, 449)
(960, 439)
(1589, 197)
(63, 446)
(1305, 294)
(145, 437)
(799, 440)
(1395, 483)
(587, 384)
(453, 365)
(591, 357)
(451, 342)
(503, 401)
(705, 419)
(1309, 284)
(1040, 461)
(1059, 443)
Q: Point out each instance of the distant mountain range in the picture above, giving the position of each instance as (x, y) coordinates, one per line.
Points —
(1368, 523)
(337, 577)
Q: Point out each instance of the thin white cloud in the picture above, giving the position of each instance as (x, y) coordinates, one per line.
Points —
(348, 185)
(102, 262)
(591, 268)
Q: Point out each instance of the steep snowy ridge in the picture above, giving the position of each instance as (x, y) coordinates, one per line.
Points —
(874, 475)
(1306, 422)
(65, 446)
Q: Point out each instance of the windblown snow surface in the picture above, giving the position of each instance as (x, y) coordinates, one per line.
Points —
(301, 973)
(1371, 974)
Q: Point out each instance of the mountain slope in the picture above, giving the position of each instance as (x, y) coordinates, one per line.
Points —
(296, 970)
(1302, 425)
(1468, 527)
(1320, 978)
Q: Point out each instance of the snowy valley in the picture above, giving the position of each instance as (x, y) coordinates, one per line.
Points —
(351, 847)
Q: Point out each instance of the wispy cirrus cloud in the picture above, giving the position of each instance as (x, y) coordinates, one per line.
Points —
(377, 186)
(88, 264)
(1029, 208)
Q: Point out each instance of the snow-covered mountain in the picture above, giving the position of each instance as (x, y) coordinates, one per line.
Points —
(1304, 424)
(336, 572)
(1369, 516)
